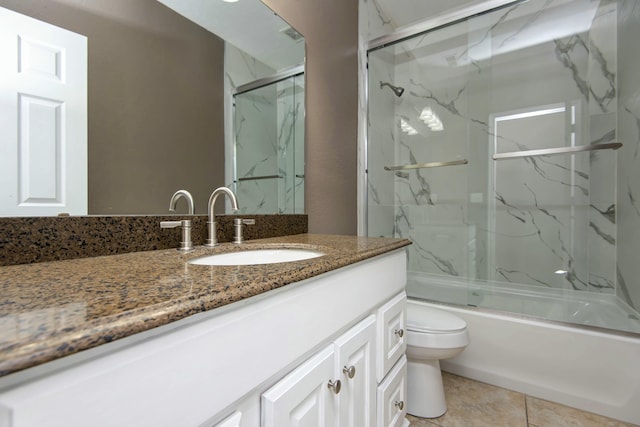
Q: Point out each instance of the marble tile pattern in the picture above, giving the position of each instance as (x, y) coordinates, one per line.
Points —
(266, 135)
(270, 143)
(38, 239)
(628, 170)
(53, 309)
(513, 221)
(474, 404)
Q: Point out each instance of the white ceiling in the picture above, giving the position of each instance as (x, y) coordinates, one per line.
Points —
(247, 24)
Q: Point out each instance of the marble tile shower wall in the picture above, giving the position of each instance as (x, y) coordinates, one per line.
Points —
(515, 221)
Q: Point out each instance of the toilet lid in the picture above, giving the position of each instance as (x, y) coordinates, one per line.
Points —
(422, 318)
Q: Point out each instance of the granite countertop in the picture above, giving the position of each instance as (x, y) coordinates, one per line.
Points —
(54, 309)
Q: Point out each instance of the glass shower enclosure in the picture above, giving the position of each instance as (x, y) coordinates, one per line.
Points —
(505, 146)
(269, 145)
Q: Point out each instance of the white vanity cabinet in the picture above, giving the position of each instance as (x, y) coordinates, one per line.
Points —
(360, 379)
(336, 387)
(215, 368)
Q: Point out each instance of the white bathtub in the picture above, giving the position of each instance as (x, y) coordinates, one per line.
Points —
(586, 369)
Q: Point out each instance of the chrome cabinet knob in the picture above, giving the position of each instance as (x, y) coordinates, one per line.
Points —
(399, 332)
(399, 404)
(335, 386)
(349, 371)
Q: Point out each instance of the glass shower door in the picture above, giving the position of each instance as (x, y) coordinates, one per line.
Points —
(269, 147)
(494, 145)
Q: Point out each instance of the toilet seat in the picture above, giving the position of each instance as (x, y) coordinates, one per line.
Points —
(430, 320)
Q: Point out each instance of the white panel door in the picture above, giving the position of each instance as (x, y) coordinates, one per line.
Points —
(303, 398)
(355, 352)
(43, 118)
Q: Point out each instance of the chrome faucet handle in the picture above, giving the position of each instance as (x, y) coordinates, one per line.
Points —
(238, 224)
(185, 244)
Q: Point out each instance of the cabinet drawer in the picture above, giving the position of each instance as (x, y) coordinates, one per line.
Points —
(392, 396)
(392, 342)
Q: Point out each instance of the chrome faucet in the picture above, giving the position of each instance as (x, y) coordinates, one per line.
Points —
(187, 197)
(185, 243)
(185, 225)
(212, 240)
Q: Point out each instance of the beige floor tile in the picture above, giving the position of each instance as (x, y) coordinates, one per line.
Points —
(420, 422)
(474, 404)
(542, 413)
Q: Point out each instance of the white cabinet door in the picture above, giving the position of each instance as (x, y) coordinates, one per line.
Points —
(355, 363)
(392, 397)
(303, 398)
(392, 342)
(43, 118)
(231, 421)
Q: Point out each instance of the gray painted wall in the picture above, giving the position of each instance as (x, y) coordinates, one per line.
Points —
(330, 28)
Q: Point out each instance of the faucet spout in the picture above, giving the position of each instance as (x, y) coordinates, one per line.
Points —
(187, 196)
(212, 239)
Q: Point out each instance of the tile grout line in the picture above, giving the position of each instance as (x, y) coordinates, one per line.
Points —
(526, 410)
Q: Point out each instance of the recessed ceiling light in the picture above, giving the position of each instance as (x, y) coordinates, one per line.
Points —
(230, 1)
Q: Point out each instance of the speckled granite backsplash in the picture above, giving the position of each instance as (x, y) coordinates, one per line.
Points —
(39, 239)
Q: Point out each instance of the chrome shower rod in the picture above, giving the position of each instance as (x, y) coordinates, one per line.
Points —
(559, 150)
(254, 178)
(426, 165)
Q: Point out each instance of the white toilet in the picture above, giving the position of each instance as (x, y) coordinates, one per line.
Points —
(432, 334)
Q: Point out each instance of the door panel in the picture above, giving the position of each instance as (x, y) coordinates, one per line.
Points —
(302, 398)
(355, 352)
(43, 118)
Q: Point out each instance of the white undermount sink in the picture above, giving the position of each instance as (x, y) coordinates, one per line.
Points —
(258, 256)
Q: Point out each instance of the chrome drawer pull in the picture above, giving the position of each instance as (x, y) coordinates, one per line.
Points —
(399, 404)
(399, 332)
(335, 386)
(349, 371)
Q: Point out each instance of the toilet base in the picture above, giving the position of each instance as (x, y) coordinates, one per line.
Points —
(425, 392)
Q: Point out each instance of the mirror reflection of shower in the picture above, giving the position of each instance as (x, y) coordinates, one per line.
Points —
(396, 89)
(269, 145)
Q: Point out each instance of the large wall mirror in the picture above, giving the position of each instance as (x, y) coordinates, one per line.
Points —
(162, 81)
